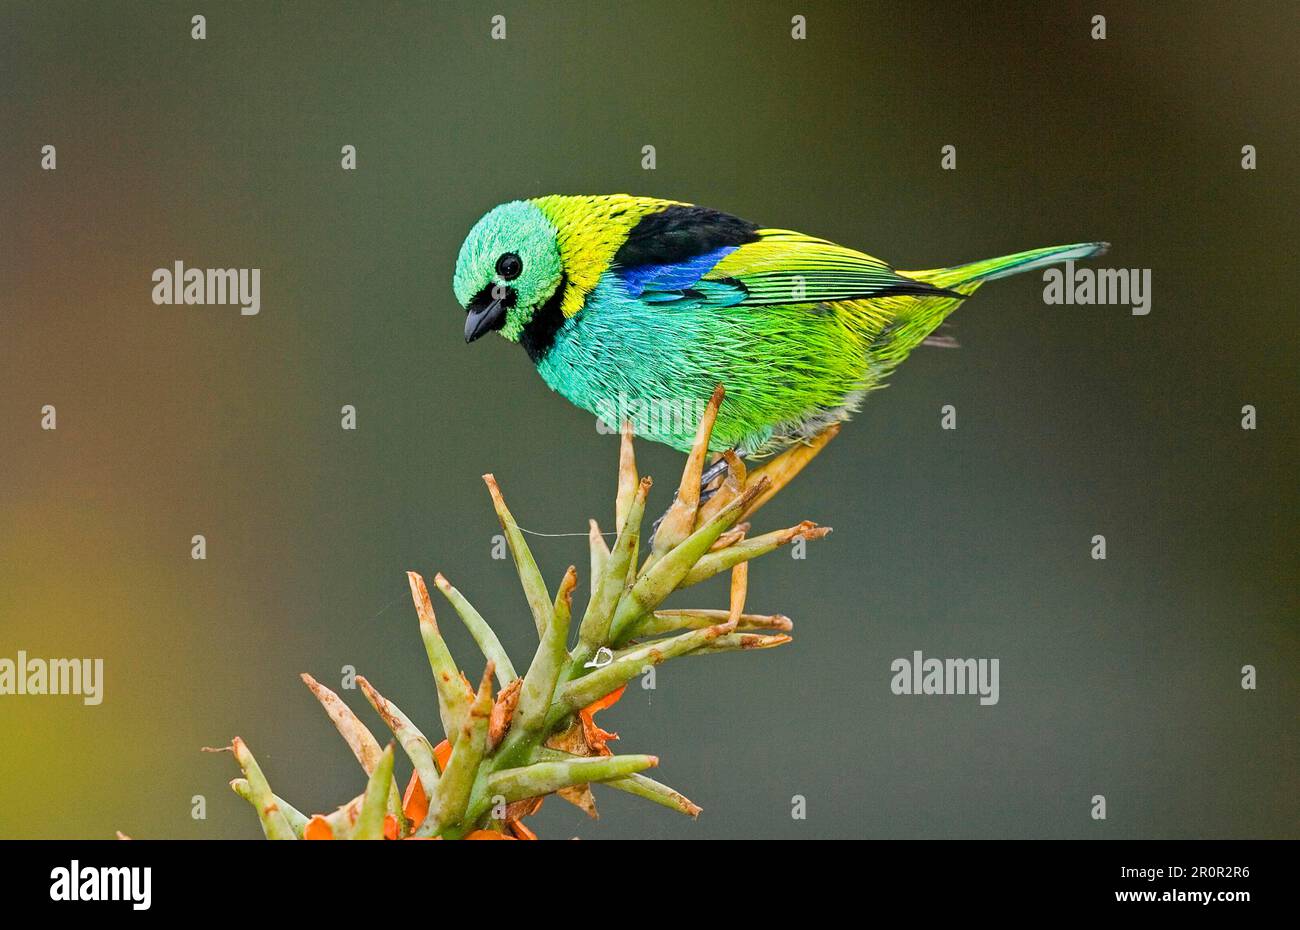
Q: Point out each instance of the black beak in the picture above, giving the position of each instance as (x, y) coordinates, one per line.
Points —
(484, 318)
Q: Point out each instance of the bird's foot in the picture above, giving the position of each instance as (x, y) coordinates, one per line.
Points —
(712, 474)
(710, 483)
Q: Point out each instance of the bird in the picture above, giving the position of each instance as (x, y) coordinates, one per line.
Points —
(631, 303)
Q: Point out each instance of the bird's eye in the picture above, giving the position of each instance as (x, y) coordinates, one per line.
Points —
(509, 266)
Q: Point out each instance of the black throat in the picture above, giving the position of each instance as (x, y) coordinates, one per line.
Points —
(539, 334)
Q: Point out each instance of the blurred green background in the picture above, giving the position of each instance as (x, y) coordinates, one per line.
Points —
(1119, 677)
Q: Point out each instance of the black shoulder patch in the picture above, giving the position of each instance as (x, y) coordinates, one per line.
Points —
(677, 233)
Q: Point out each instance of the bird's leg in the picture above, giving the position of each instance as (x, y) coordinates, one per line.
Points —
(715, 471)
(711, 474)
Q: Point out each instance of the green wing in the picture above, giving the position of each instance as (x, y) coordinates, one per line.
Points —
(784, 267)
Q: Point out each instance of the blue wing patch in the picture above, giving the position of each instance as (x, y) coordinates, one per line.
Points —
(671, 280)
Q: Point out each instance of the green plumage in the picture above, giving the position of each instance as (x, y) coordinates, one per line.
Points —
(648, 304)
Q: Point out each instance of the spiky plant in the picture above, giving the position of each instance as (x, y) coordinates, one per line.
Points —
(502, 755)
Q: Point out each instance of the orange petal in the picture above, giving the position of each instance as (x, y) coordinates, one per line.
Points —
(594, 736)
(520, 831)
(487, 835)
(442, 755)
(415, 804)
(390, 827)
(318, 828)
(608, 700)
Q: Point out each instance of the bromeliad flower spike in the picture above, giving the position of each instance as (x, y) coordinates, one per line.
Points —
(535, 734)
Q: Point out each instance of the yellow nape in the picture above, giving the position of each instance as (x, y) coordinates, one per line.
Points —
(590, 230)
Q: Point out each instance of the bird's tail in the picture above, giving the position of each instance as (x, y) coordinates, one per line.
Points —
(917, 317)
(966, 278)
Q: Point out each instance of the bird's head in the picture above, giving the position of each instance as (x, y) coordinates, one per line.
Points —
(509, 267)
